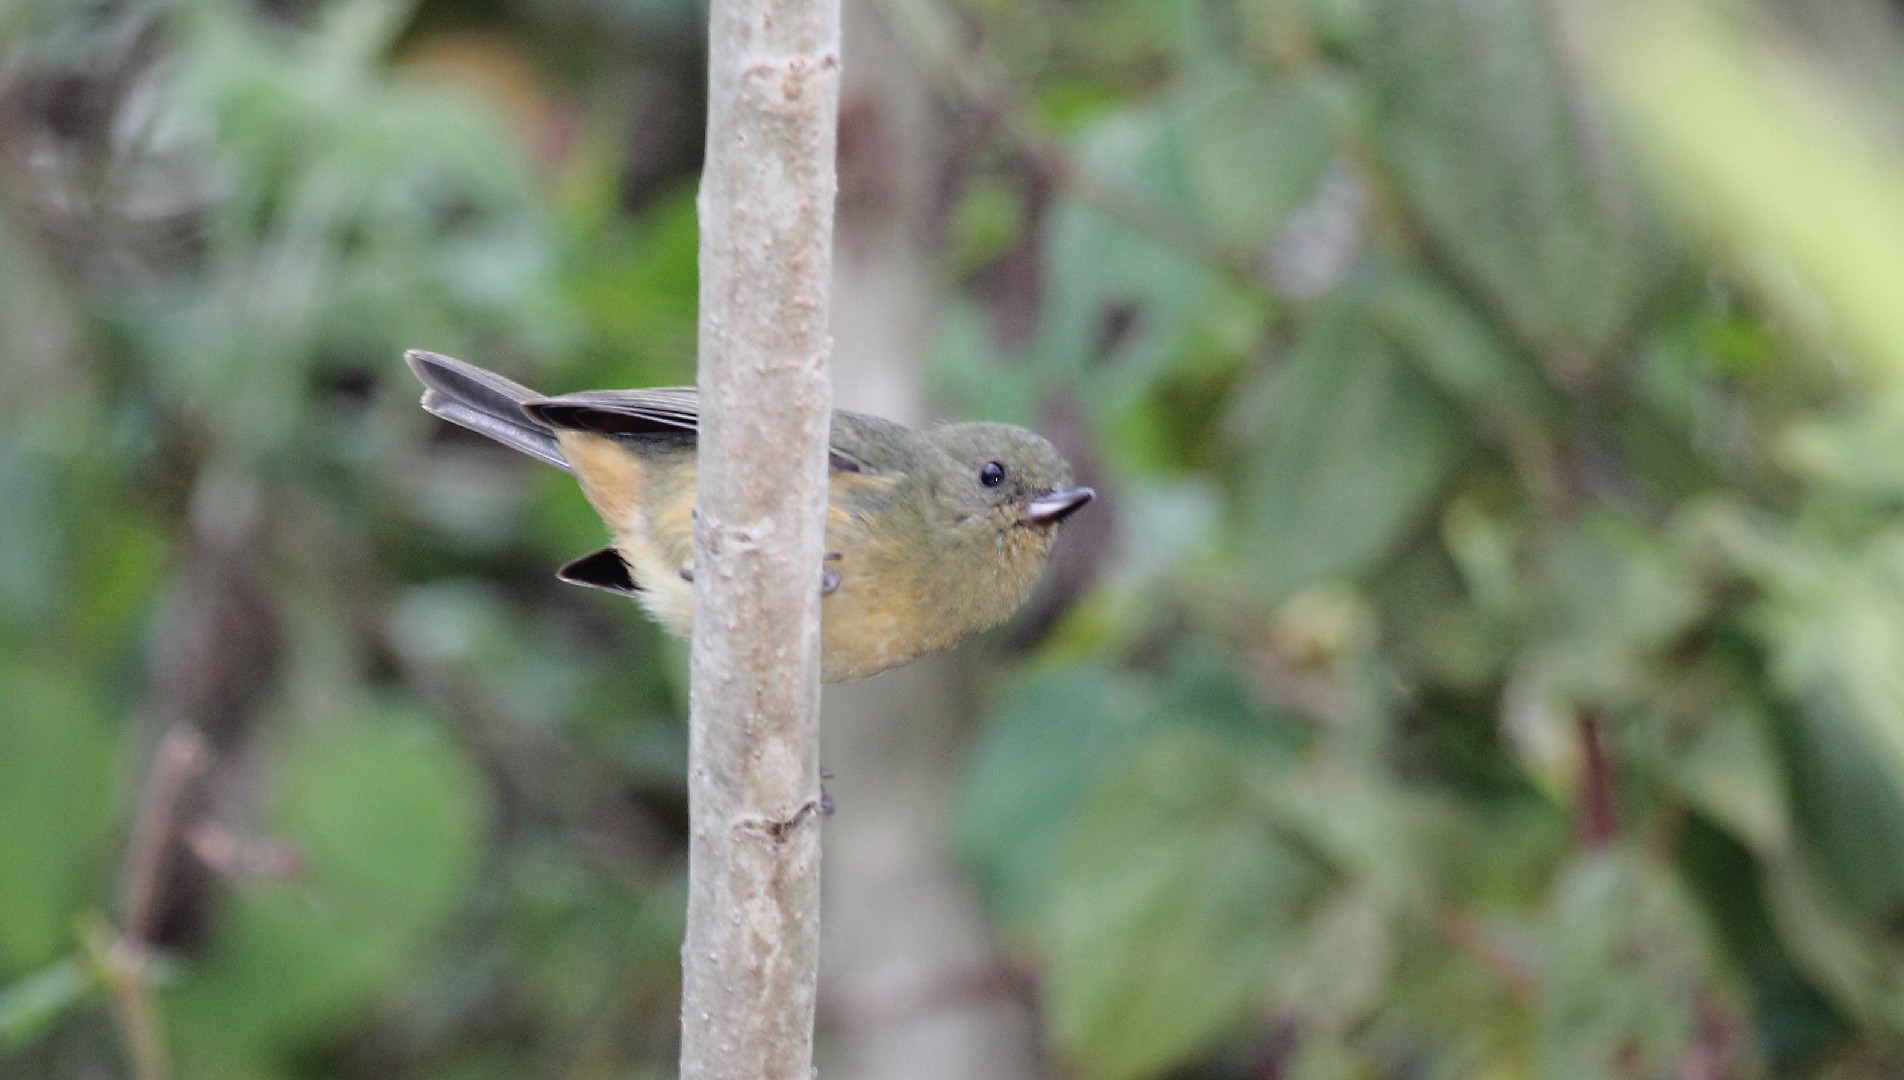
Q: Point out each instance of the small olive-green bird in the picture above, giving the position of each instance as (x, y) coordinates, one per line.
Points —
(930, 535)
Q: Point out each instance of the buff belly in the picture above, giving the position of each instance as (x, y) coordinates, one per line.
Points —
(648, 507)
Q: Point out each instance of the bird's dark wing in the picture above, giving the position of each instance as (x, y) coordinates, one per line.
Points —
(662, 410)
(602, 569)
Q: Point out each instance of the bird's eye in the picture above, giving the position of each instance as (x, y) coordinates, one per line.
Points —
(991, 474)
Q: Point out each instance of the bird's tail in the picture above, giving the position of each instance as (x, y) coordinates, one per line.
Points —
(484, 402)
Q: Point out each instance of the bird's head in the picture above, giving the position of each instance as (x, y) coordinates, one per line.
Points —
(1005, 477)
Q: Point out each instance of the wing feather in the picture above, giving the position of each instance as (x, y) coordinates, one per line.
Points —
(669, 410)
(661, 410)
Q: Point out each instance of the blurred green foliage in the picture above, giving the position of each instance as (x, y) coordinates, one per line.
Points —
(1484, 663)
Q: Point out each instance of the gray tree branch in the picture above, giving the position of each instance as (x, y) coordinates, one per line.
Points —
(749, 965)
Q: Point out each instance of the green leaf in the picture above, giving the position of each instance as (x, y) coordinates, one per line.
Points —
(1804, 185)
(1607, 597)
(344, 213)
(1501, 159)
(1351, 454)
(1863, 973)
(1175, 894)
(1048, 744)
(986, 223)
(28, 1006)
(1337, 968)
(35, 533)
(1854, 451)
(1834, 624)
(1628, 971)
(386, 814)
(1119, 301)
(58, 752)
(1731, 770)
(1461, 354)
(1052, 741)
(1255, 150)
(1200, 692)
(1848, 804)
(966, 365)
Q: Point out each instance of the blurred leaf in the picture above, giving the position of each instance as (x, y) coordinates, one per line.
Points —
(634, 283)
(1351, 452)
(346, 213)
(1606, 599)
(1340, 24)
(1200, 692)
(1338, 966)
(1733, 771)
(1849, 807)
(1048, 744)
(29, 1005)
(1118, 302)
(986, 223)
(464, 630)
(1461, 354)
(58, 758)
(1372, 830)
(1501, 158)
(386, 817)
(1626, 974)
(967, 366)
(1170, 430)
(33, 583)
(1255, 151)
(1051, 742)
(80, 555)
(1834, 623)
(1762, 151)
(1863, 975)
(1620, 591)
(1854, 451)
(1174, 896)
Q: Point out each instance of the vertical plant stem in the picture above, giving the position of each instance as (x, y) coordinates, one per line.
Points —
(181, 755)
(749, 965)
(1599, 821)
(135, 1011)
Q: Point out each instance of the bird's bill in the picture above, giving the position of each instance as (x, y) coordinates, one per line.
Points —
(1054, 506)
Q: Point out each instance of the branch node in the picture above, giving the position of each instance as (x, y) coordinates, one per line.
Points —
(778, 830)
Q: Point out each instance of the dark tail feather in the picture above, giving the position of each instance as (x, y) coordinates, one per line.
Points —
(484, 402)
